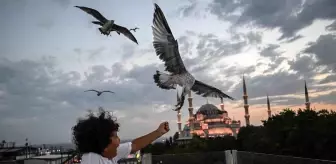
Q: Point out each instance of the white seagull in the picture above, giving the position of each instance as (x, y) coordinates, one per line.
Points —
(107, 26)
(166, 47)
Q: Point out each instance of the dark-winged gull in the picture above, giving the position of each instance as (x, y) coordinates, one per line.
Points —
(166, 47)
(98, 92)
(107, 26)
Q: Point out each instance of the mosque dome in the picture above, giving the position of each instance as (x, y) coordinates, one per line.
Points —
(209, 109)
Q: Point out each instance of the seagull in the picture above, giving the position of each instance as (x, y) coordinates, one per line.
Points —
(98, 92)
(166, 48)
(134, 29)
(107, 26)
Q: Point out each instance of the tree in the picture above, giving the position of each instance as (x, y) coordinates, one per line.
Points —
(305, 133)
(167, 143)
(171, 140)
(176, 136)
(3, 143)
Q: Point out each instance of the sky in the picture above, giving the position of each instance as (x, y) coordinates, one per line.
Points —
(51, 52)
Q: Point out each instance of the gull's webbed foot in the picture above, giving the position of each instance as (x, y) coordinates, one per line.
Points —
(177, 108)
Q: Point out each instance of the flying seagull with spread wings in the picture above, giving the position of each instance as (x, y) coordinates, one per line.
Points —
(166, 47)
(107, 26)
(134, 29)
(98, 92)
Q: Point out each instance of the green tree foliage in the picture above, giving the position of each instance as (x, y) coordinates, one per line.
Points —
(171, 140)
(175, 137)
(305, 133)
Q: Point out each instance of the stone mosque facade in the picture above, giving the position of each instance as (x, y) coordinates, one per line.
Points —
(210, 121)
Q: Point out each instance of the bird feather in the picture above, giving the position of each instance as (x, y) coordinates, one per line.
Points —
(126, 32)
(96, 14)
(206, 90)
(166, 47)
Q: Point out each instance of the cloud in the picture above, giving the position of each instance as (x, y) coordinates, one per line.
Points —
(128, 51)
(46, 24)
(63, 3)
(289, 16)
(325, 98)
(324, 50)
(38, 94)
(187, 10)
(41, 98)
(331, 27)
(328, 79)
(270, 51)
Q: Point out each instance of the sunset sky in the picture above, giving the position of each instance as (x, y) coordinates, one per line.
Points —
(51, 52)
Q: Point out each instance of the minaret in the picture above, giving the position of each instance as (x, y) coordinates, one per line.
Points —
(191, 113)
(222, 104)
(307, 97)
(268, 107)
(246, 106)
(179, 124)
(222, 107)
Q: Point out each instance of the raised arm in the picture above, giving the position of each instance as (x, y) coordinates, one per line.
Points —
(141, 142)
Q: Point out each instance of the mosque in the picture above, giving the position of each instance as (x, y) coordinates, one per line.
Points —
(210, 121)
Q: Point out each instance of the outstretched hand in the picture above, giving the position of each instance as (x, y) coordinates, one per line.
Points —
(163, 128)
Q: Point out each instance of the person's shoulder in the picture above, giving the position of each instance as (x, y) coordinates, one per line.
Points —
(93, 158)
(126, 147)
(126, 144)
(124, 150)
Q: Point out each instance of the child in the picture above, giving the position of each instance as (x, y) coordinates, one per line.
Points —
(97, 139)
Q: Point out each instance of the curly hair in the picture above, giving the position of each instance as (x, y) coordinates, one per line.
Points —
(93, 134)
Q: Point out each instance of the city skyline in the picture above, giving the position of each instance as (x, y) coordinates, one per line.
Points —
(51, 53)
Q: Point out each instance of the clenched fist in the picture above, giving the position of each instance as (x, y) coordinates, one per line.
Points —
(163, 128)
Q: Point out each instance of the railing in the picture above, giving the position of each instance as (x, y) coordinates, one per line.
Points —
(228, 157)
(194, 158)
(128, 161)
(260, 158)
(69, 159)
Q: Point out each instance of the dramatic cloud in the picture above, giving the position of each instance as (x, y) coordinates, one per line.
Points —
(331, 27)
(289, 16)
(324, 50)
(45, 71)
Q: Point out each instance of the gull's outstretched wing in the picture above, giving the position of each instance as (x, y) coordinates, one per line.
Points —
(91, 90)
(166, 47)
(94, 13)
(108, 91)
(206, 90)
(126, 32)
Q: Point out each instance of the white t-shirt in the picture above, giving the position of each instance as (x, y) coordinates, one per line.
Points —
(123, 151)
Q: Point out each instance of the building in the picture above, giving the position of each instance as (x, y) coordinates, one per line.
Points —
(48, 159)
(208, 121)
(184, 136)
(212, 122)
(17, 153)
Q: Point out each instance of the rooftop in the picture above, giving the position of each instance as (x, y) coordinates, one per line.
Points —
(50, 156)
